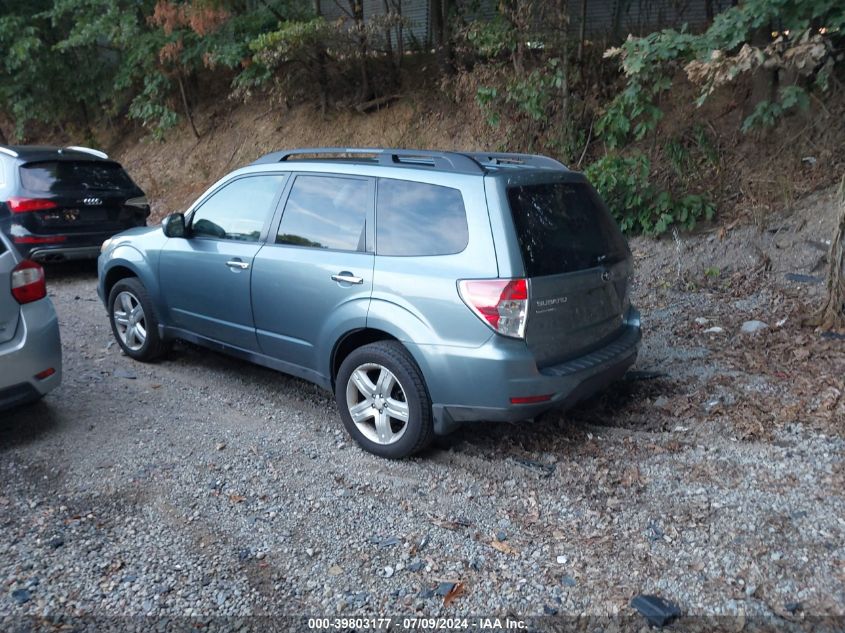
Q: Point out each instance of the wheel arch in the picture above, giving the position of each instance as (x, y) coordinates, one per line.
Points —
(351, 341)
(115, 274)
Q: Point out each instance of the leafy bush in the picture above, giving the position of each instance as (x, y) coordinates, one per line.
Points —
(638, 207)
(811, 33)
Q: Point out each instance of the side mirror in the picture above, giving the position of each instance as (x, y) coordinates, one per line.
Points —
(174, 225)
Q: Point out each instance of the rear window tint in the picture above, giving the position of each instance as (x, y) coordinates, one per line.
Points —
(415, 218)
(56, 176)
(563, 227)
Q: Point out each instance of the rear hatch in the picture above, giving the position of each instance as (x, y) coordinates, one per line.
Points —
(578, 265)
(78, 196)
(9, 307)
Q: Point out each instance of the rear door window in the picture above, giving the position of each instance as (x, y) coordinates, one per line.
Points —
(417, 218)
(239, 210)
(60, 176)
(563, 227)
(326, 212)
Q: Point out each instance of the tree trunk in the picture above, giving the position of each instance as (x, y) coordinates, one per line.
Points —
(357, 9)
(832, 315)
(447, 55)
(322, 72)
(400, 36)
(764, 81)
(582, 31)
(187, 107)
(436, 12)
(388, 38)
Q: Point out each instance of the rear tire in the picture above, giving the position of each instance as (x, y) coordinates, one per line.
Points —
(134, 321)
(383, 400)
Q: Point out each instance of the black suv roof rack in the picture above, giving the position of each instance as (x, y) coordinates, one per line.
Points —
(462, 162)
(30, 152)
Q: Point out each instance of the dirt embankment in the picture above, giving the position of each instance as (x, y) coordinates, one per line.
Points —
(175, 172)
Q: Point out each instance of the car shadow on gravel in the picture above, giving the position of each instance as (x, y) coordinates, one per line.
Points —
(27, 424)
(71, 270)
(627, 404)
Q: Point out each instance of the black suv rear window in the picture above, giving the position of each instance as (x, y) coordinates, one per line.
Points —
(55, 176)
(563, 227)
(415, 218)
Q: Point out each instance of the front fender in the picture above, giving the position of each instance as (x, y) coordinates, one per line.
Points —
(144, 267)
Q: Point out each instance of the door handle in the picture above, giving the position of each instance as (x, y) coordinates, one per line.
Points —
(236, 263)
(348, 278)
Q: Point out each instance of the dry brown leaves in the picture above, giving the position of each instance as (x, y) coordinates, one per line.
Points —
(455, 592)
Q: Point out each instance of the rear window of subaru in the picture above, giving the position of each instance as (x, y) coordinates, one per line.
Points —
(563, 227)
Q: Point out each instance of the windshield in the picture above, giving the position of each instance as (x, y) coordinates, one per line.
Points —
(57, 176)
(563, 227)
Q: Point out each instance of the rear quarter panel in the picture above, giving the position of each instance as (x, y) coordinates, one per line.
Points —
(416, 298)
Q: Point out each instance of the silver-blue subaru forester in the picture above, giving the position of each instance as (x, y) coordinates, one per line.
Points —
(423, 288)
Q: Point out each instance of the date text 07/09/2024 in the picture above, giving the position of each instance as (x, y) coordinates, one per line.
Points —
(416, 624)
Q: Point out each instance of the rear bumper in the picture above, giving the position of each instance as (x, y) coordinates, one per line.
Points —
(35, 347)
(63, 253)
(60, 246)
(484, 380)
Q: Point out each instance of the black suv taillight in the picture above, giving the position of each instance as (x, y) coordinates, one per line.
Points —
(25, 205)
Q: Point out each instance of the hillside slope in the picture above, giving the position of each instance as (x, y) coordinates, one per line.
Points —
(175, 172)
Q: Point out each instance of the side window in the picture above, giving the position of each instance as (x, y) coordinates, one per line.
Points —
(415, 218)
(326, 212)
(2, 173)
(239, 210)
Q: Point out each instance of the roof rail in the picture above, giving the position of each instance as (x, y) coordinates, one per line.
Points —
(8, 151)
(529, 160)
(88, 150)
(447, 161)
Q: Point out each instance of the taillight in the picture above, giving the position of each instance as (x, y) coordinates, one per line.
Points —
(34, 239)
(501, 303)
(24, 205)
(28, 282)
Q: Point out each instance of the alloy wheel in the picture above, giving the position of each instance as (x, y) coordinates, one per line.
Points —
(377, 403)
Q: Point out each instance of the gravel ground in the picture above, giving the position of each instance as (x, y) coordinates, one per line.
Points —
(204, 486)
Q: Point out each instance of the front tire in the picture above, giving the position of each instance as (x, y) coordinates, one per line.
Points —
(134, 321)
(383, 401)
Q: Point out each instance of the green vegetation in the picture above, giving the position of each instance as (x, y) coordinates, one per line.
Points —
(81, 63)
(625, 184)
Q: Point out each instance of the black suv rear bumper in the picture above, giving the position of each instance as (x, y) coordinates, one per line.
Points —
(48, 254)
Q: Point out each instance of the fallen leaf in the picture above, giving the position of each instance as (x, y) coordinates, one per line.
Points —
(457, 591)
(631, 476)
(451, 524)
(220, 446)
(236, 498)
(335, 570)
(502, 546)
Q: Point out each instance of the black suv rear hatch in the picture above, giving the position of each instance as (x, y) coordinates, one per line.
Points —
(80, 196)
(578, 265)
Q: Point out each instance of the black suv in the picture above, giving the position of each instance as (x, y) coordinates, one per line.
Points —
(59, 203)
